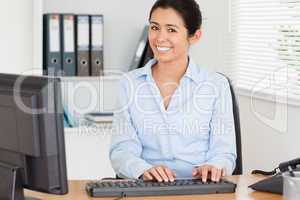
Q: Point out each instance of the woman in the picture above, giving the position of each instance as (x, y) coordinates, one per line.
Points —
(175, 119)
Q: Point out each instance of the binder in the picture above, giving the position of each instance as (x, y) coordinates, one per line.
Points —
(51, 45)
(148, 54)
(137, 59)
(99, 117)
(68, 118)
(97, 61)
(68, 44)
(82, 45)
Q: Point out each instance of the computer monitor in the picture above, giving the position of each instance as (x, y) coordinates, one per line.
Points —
(32, 148)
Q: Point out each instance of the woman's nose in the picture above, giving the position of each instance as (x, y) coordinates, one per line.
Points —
(161, 36)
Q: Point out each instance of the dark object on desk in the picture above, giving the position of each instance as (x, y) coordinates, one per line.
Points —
(122, 188)
(32, 148)
(274, 184)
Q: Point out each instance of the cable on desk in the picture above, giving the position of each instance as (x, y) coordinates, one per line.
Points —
(266, 173)
(121, 196)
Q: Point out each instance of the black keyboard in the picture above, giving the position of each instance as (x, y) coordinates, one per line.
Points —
(123, 188)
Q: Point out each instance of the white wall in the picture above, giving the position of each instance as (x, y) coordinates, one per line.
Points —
(83, 95)
(270, 133)
(20, 35)
(87, 153)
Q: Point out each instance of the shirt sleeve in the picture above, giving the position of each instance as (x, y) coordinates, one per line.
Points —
(126, 148)
(222, 143)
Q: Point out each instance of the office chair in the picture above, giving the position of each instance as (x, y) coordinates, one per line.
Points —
(239, 162)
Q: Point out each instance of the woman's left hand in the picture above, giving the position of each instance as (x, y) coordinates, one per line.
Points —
(208, 171)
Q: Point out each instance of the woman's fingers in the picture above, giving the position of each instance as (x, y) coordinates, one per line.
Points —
(204, 173)
(208, 171)
(171, 175)
(195, 172)
(159, 173)
(156, 175)
(147, 176)
(162, 173)
(213, 172)
(219, 175)
(223, 173)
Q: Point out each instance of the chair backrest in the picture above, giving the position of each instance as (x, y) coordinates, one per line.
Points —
(239, 161)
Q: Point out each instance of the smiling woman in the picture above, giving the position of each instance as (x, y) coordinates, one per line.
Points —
(168, 36)
(175, 119)
(174, 26)
(170, 39)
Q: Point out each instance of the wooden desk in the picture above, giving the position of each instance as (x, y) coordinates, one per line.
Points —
(77, 192)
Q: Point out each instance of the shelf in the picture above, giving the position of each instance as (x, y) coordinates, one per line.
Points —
(91, 78)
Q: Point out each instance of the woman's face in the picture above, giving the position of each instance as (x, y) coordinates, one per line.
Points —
(168, 36)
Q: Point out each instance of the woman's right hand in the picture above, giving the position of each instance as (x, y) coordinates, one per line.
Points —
(159, 173)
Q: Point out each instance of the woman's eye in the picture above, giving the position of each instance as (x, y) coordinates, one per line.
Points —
(154, 28)
(172, 30)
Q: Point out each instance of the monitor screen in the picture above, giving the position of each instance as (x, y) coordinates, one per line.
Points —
(31, 135)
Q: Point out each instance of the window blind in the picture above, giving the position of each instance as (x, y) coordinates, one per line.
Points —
(265, 46)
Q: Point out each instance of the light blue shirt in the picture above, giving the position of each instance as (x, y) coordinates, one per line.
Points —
(196, 128)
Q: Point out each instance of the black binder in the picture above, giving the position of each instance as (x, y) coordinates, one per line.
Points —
(83, 45)
(97, 61)
(140, 50)
(51, 45)
(68, 44)
(147, 55)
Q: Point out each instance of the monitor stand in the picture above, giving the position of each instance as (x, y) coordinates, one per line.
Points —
(11, 184)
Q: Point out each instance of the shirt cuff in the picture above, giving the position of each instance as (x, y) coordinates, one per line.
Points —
(136, 170)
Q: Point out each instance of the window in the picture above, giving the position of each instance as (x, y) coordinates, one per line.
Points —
(265, 47)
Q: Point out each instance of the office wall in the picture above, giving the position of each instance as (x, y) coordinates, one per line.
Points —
(20, 35)
(270, 133)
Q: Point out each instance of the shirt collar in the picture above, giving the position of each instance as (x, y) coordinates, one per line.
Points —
(192, 72)
(146, 70)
